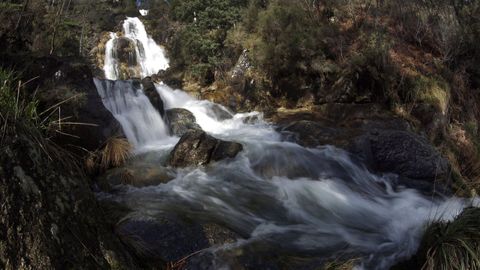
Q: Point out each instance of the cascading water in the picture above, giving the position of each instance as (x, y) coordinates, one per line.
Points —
(150, 57)
(311, 202)
(141, 123)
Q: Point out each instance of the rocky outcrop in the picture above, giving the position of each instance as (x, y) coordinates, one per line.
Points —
(198, 148)
(180, 121)
(151, 92)
(49, 218)
(384, 143)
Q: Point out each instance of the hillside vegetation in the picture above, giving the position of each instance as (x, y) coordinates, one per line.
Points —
(416, 59)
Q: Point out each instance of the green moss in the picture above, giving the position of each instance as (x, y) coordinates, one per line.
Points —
(432, 90)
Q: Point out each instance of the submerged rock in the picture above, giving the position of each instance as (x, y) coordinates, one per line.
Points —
(219, 112)
(137, 176)
(180, 121)
(198, 148)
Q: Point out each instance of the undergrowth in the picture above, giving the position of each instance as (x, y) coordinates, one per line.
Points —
(20, 117)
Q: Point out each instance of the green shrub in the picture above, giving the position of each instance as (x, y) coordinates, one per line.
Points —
(199, 45)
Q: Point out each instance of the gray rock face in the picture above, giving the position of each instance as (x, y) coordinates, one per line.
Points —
(198, 148)
(180, 121)
(403, 153)
(237, 80)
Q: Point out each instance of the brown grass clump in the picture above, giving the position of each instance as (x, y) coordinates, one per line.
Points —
(114, 153)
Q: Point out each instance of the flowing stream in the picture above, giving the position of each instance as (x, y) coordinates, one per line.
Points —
(313, 202)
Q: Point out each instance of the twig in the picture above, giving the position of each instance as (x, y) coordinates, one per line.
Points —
(59, 103)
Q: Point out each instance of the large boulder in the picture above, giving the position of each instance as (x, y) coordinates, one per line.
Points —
(180, 121)
(401, 152)
(198, 148)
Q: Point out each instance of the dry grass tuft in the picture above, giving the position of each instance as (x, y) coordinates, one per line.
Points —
(114, 153)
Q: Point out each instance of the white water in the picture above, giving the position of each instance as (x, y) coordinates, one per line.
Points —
(150, 56)
(110, 67)
(299, 201)
(141, 122)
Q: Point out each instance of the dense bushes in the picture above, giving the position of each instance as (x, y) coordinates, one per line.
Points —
(199, 45)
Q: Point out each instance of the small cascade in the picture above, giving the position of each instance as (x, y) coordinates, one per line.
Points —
(110, 66)
(133, 54)
(140, 121)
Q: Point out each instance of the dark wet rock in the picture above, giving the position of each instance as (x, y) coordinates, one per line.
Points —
(137, 176)
(180, 121)
(168, 239)
(163, 239)
(311, 133)
(198, 148)
(71, 84)
(151, 92)
(401, 152)
(218, 235)
(384, 142)
(49, 218)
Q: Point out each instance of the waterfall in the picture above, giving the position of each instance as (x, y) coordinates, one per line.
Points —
(140, 121)
(150, 57)
(317, 202)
